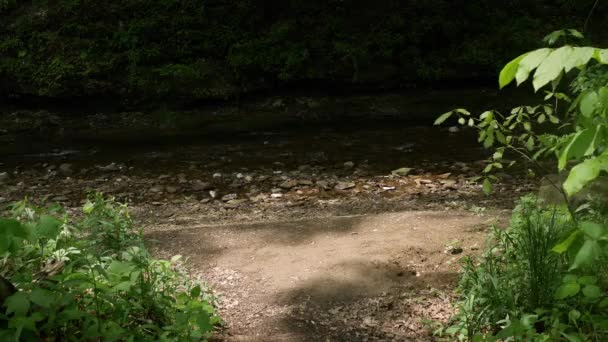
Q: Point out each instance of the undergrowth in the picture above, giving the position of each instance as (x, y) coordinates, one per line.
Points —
(92, 278)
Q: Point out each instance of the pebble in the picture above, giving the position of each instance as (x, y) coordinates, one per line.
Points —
(404, 171)
(201, 186)
(217, 175)
(3, 176)
(171, 189)
(229, 197)
(288, 184)
(66, 168)
(344, 185)
(157, 188)
(349, 165)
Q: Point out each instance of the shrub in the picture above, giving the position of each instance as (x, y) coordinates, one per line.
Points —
(92, 278)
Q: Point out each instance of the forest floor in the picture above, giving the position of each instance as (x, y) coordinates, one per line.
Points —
(305, 235)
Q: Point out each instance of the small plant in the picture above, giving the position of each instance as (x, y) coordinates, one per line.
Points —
(92, 278)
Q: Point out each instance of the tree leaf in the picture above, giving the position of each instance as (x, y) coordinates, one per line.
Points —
(585, 172)
(507, 74)
(578, 57)
(42, 297)
(587, 280)
(567, 290)
(576, 148)
(530, 62)
(48, 227)
(592, 230)
(564, 245)
(17, 303)
(588, 103)
(487, 186)
(588, 253)
(551, 67)
(592, 291)
(441, 119)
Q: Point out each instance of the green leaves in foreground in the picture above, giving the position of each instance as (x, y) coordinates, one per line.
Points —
(585, 172)
(549, 64)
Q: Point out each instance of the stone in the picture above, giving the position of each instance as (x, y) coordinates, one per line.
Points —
(229, 197)
(276, 195)
(213, 193)
(171, 189)
(3, 176)
(403, 171)
(201, 186)
(344, 185)
(276, 190)
(162, 177)
(305, 182)
(349, 165)
(454, 129)
(323, 184)
(66, 168)
(110, 167)
(217, 175)
(288, 184)
(157, 189)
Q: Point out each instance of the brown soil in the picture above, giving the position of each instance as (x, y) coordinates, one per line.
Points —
(347, 278)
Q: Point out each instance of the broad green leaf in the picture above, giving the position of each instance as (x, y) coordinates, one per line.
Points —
(121, 268)
(441, 119)
(587, 280)
(507, 74)
(592, 291)
(564, 245)
(569, 278)
(487, 186)
(530, 62)
(585, 172)
(567, 290)
(195, 292)
(17, 303)
(592, 230)
(602, 56)
(576, 148)
(551, 67)
(88, 207)
(578, 57)
(42, 297)
(48, 227)
(588, 103)
(588, 254)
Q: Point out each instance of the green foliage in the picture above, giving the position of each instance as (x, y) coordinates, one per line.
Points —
(521, 289)
(92, 278)
(196, 49)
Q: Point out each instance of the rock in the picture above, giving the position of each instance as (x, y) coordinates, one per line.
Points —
(276, 195)
(305, 182)
(349, 165)
(66, 168)
(156, 189)
(323, 184)
(217, 175)
(288, 184)
(403, 171)
(60, 198)
(3, 176)
(454, 250)
(229, 197)
(162, 177)
(110, 167)
(181, 178)
(240, 175)
(276, 190)
(171, 189)
(213, 193)
(454, 129)
(201, 186)
(344, 185)
(449, 183)
(248, 179)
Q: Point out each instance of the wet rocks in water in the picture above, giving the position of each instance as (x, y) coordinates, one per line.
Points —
(344, 185)
(403, 171)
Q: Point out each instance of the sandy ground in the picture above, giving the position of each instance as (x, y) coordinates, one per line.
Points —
(344, 278)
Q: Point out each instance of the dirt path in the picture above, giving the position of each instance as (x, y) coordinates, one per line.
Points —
(348, 278)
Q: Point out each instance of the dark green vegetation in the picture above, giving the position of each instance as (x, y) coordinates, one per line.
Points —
(91, 278)
(182, 51)
(546, 277)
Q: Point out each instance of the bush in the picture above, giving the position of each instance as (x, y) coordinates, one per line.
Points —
(92, 278)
